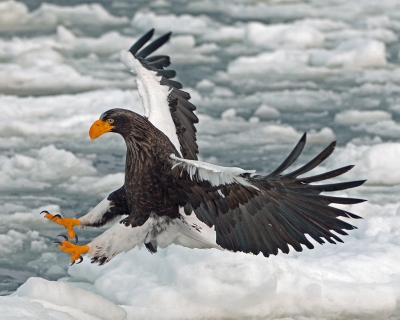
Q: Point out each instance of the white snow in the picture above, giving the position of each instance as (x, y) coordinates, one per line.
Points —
(49, 166)
(265, 112)
(185, 23)
(355, 53)
(352, 117)
(70, 300)
(296, 36)
(377, 163)
(15, 16)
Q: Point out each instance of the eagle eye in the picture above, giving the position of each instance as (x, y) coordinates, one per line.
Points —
(110, 121)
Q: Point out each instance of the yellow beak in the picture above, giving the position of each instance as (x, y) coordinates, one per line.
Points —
(98, 128)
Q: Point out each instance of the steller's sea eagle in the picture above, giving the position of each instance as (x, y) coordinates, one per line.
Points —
(171, 197)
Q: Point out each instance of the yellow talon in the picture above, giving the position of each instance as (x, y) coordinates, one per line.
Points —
(68, 223)
(74, 250)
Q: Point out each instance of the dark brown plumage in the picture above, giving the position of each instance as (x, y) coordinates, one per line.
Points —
(147, 166)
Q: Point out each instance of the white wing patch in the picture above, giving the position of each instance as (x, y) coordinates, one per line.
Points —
(216, 175)
(96, 213)
(154, 97)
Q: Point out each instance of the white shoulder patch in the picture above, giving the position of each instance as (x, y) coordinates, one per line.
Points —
(154, 97)
(216, 175)
(96, 213)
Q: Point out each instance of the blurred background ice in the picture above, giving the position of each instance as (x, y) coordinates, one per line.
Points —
(261, 73)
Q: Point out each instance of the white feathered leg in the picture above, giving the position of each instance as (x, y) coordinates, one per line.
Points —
(187, 231)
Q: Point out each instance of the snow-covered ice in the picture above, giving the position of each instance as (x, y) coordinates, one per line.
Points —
(57, 299)
(261, 73)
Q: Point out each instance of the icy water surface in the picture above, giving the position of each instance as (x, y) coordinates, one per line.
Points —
(260, 73)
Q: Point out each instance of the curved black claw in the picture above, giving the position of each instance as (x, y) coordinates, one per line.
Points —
(56, 216)
(58, 242)
(76, 238)
(80, 260)
(63, 235)
(73, 262)
(44, 211)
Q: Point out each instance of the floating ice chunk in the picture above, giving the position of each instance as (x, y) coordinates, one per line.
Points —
(270, 11)
(323, 24)
(225, 34)
(38, 245)
(254, 120)
(228, 114)
(223, 92)
(265, 112)
(325, 135)
(231, 115)
(10, 242)
(355, 53)
(380, 34)
(39, 57)
(65, 35)
(298, 36)
(184, 50)
(69, 299)
(278, 61)
(13, 241)
(377, 163)
(93, 185)
(49, 16)
(205, 85)
(311, 63)
(46, 79)
(22, 308)
(51, 165)
(178, 24)
(352, 117)
(106, 45)
(55, 270)
(26, 216)
(378, 21)
(12, 12)
(384, 128)
(301, 100)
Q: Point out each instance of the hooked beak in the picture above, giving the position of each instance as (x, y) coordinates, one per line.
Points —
(98, 128)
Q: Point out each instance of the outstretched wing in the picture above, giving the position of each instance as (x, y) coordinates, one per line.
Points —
(253, 213)
(165, 105)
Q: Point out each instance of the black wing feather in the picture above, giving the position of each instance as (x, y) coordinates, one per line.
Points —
(156, 44)
(181, 109)
(279, 212)
(141, 42)
(291, 158)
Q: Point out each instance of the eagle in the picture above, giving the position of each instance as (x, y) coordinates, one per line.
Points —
(170, 197)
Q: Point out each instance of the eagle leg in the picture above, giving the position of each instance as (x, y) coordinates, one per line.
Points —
(135, 219)
(74, 250)
(68, 223)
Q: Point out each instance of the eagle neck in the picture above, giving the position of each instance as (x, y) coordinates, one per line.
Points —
(138, 153)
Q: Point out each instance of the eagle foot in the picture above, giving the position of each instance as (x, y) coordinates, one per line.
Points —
(68, 223)
(74, 250)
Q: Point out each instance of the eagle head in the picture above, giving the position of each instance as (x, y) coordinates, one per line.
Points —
(119, 121)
